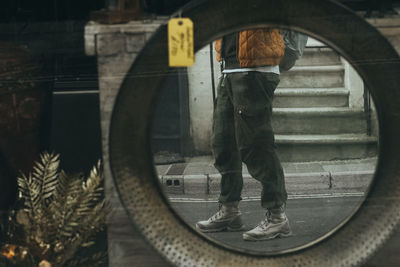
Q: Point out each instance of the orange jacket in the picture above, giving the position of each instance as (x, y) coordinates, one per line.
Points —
(258, 47)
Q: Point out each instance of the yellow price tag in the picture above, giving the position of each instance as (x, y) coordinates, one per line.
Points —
(180, 42)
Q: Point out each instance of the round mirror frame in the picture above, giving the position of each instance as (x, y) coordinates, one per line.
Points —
(350, 243)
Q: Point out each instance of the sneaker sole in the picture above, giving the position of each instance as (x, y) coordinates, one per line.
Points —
(222, 229)
(277, 235)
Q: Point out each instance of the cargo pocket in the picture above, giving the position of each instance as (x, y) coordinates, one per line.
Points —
(253, 124)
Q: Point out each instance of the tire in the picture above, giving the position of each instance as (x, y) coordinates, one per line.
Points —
(350, 243)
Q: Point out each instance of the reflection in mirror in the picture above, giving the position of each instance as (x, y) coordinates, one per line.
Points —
(214, 145)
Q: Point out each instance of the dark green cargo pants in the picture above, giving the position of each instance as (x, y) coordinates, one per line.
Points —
(242, 132)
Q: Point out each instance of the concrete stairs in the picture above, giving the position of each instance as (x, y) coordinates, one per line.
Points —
(312, 118)
(311, 97)
(313, 76)
(321, 120)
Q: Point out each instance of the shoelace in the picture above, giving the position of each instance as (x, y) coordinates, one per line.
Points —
(264, 223)
(217, 215)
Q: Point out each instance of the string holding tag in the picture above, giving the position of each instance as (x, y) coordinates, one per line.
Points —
(180, 42)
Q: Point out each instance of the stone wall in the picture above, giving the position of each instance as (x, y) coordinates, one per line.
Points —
(116, 47)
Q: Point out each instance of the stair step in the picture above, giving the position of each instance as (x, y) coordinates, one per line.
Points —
(314, 43)
(310, 97)
(320, 120)
(313, 76)
(319, 56)
(292, 148)
(316, 68)
(311, 139)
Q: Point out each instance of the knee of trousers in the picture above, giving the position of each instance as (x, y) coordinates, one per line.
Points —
(258, 151)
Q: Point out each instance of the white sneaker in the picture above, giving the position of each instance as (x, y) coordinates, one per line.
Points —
(275, 225)
(228, 218)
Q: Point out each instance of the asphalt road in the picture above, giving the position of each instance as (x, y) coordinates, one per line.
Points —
(310, 219)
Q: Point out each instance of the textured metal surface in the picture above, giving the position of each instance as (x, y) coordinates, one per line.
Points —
(372, 56)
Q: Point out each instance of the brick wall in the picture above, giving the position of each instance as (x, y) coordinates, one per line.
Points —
(116, 47)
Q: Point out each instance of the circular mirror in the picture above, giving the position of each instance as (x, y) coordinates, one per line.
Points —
(353, 239)
(324, 153)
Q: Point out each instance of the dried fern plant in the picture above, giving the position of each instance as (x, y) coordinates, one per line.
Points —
(60, 215)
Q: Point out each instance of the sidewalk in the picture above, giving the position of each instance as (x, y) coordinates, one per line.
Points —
(197, 178)
(309, 220)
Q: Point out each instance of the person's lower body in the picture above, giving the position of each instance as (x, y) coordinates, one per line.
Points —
(242, 132)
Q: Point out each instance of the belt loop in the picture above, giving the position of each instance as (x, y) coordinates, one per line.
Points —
(222, 65)
(223, 79)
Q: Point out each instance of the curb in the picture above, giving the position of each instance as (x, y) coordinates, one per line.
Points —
(296, 183)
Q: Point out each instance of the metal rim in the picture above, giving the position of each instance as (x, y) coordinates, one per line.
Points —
(131, 160)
